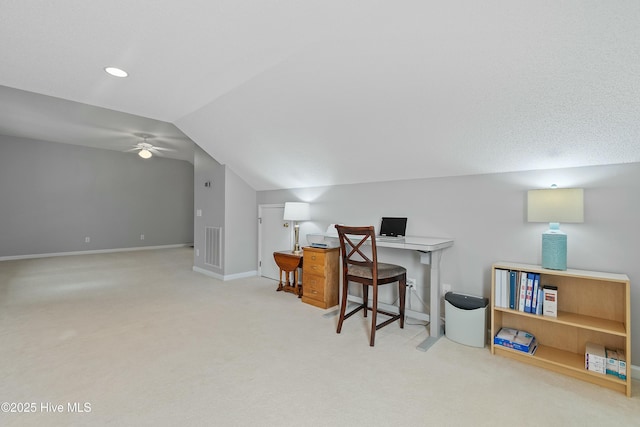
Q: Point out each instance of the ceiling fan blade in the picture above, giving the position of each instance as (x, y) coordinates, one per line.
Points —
(163, 149)
(132, 149)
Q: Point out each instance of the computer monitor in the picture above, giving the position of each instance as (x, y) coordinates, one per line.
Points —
(393, 226)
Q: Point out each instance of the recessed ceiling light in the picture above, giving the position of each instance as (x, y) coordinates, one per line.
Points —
(116, 72)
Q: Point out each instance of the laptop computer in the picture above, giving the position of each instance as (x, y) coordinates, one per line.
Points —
(392, 228)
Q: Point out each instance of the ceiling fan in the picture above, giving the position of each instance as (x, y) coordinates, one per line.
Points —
(146, 150)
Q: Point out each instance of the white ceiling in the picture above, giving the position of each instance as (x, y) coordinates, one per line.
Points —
(305, 93)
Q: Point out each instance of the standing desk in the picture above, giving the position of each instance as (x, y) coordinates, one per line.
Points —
(430, 249)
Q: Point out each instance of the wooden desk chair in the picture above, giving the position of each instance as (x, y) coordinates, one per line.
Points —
(358, 266)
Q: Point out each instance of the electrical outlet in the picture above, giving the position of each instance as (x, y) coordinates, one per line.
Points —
(142, 237)
(446, 288)
(197, 252)
(87, 239)
(411, 282)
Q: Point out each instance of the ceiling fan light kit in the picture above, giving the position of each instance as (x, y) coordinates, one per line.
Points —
(146, 150)
(144, 153)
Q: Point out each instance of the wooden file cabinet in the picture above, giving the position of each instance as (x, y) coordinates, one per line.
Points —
(320, 276)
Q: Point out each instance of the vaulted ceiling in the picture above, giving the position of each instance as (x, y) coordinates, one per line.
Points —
(305, 93)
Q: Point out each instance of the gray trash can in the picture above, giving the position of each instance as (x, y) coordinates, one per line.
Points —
(466, 319)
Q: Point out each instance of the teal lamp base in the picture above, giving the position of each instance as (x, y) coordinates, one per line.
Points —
(554, 248)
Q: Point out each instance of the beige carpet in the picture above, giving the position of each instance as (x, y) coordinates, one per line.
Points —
(143, 340)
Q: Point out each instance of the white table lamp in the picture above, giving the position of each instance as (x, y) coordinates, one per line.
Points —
(554, 206)
(297, 211)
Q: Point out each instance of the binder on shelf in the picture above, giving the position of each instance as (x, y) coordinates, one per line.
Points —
(502, 288)
(540, 305)
(534, 293)
(505, 288)
(523, 290)
(527, 302)
(498, 288)
(512, 289)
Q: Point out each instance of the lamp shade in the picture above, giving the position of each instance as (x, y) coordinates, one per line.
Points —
(555, 205)
(296, 211)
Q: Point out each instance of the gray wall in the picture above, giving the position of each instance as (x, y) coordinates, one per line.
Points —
(210, 201)
(54, 195)
(486, 215)
(229, 203)
(241, 224)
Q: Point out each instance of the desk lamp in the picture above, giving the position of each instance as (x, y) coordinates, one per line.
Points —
(554, 206)
(296, 211)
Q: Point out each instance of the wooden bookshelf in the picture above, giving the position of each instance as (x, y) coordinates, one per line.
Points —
(592, 307)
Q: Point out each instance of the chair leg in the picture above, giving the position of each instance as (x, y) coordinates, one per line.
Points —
(343, 305)
(374, 315)
(402, 289)
(365, 298)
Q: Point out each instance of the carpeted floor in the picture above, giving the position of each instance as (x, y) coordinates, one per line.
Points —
(138, 338)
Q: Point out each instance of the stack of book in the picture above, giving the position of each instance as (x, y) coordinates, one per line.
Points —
(603, 360)
(516, 340)
(518, 290)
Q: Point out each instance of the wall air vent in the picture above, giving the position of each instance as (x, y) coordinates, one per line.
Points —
(213, 246)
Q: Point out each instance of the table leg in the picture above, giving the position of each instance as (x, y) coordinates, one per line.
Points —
(435, 325)
(280, 287)
(298, 288)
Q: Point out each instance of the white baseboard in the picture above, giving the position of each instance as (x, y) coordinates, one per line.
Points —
(97, 251)
(635, 372)
(225, 277)
(241, 275)
(208, 273)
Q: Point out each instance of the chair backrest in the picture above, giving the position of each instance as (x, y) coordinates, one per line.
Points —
(352, 243)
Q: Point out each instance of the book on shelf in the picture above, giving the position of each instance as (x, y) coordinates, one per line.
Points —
(622, 365)
(550, 304)
(615, 363)
(517, 340)
(612, 366)
(595, 358)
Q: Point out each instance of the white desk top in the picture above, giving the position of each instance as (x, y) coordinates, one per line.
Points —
(418, 243)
